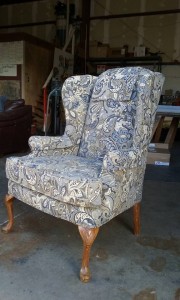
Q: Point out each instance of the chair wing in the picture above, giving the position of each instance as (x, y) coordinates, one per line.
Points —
(76, 94)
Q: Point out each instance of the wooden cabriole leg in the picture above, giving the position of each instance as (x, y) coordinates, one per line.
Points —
(9, 205)
(88, 236)
(136, 218)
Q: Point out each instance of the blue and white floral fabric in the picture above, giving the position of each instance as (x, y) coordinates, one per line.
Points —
(76, 94)
(96, 170)
(111, 113)
(71, 179)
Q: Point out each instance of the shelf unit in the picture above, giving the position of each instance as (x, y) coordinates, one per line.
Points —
(154, 61)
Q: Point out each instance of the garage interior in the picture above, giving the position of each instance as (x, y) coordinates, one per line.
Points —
(40, 258)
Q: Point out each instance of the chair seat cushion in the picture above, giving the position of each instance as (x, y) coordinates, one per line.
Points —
(69, 179)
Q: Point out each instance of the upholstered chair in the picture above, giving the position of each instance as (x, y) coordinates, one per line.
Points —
(95, 171)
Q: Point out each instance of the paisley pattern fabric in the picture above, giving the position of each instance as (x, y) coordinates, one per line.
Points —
(76, 94)
(96, 170)
(147, 93)
(65, 178)
(111, 113)
(49, 142)
(83, 216)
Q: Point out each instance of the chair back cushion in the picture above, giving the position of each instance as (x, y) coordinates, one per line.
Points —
(122, 102)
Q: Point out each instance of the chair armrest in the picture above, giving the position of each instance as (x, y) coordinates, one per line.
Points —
(115, 160)
(15, 114)
(45, 143)
(13, 104)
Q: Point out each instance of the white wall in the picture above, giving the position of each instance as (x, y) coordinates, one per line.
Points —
(157, 32)
(172, 78)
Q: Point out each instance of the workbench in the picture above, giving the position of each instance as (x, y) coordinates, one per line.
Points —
(162, 112)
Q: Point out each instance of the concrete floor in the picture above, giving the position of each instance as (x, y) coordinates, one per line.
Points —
(41, 258)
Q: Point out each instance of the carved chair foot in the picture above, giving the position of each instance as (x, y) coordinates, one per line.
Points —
(85, 274)
(88, 236)
(9, 205)
(136, 218)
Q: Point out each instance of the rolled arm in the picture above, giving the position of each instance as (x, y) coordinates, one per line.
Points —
(50, 145)
(115, 160)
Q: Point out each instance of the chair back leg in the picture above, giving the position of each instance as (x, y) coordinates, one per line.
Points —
(9, 205)
(136, 218)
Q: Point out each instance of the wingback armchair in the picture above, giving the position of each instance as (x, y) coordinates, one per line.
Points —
(95, 171)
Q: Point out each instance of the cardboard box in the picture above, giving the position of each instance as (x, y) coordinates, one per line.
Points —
(116, 52)
(93, 43)
(158, 156)
(139, 51)
(99, 50)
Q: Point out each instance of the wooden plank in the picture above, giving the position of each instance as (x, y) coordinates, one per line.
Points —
(159, 130)
(156, 123)
(172, 131)
(158, 146)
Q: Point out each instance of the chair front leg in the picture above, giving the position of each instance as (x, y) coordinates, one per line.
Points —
(88, 236)
(9, 205)
(136, 218)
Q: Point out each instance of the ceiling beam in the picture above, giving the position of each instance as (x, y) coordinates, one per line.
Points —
(138, 14)
(53, 22)
(10, 2)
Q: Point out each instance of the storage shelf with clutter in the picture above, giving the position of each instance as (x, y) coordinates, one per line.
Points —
(100, 64)
(102, 57)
